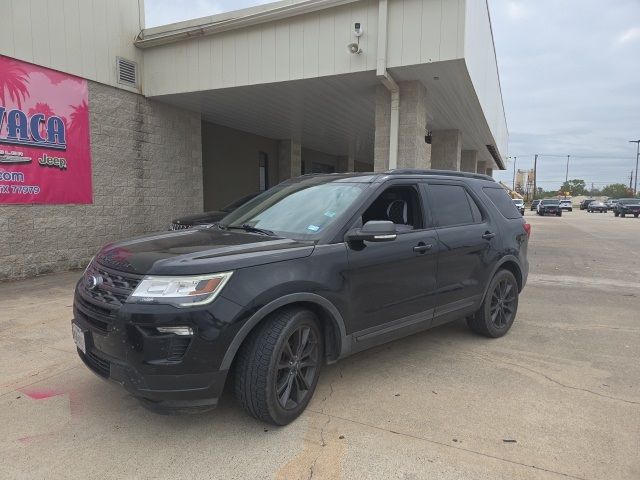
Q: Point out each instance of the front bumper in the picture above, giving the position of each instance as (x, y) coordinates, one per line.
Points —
(165, 371)
(630, 211)
(550, 211)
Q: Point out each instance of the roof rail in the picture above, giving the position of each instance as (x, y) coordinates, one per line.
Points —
(444, 173)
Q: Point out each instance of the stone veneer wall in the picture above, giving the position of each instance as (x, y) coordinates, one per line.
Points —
(147, 169)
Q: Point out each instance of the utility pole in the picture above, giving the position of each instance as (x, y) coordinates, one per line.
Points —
(535, 176)
(630, 179)
(566, 177)
(515, 160)
(635, 188)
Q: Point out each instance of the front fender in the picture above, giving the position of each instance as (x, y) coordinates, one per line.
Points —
(344, 346)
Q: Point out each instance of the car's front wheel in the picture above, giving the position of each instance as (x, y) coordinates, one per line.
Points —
(278, 366)
(498, 311)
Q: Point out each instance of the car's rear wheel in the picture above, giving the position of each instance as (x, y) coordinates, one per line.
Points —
(616, 214)
(498, 311)
(279, 365)
(622, 215)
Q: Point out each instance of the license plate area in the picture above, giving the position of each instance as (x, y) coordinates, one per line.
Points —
(79, 337)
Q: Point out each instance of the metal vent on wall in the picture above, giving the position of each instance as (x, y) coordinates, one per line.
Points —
(127, 72)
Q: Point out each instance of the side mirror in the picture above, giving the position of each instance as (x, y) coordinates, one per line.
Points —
(373, 231)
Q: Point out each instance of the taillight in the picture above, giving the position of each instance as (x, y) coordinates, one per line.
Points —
(527, 228)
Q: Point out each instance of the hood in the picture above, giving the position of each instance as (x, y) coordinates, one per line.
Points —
(201, 218)
(199, 251)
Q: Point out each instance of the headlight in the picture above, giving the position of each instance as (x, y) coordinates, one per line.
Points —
(180, 291)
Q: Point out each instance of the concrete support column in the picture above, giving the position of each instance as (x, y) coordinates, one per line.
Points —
(289, 159)
(383, 126)
(413, 151)
(446, 150)
(482, 168)
(348, 162)
(469, 161)
(489, 172)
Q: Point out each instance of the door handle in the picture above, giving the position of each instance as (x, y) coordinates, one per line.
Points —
(422, 247)
(488, 235)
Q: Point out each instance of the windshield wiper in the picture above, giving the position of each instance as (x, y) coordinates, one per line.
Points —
(249, 228)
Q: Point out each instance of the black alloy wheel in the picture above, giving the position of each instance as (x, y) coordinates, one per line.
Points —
(499, 308)
(503, 300)
(297, 367)
(278, 366)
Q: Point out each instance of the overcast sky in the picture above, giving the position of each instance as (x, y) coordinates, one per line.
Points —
(570, 73)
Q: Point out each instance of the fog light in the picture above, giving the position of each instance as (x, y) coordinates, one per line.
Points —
(184, 331)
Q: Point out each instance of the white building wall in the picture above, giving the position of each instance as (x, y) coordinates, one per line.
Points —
(425, 31)
(80, 37)
(480, 58)
(304, 46)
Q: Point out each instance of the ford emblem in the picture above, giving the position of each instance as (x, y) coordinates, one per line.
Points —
(92, 281)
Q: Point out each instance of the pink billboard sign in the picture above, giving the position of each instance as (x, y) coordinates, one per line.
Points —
(45, 151)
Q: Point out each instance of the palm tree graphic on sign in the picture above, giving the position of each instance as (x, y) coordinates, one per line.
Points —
(13, 81)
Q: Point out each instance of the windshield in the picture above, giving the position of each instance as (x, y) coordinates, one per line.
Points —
(627, 201)
(517, 200)
(300, 210)
(550, 202)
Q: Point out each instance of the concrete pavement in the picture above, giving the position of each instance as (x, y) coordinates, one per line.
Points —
(558, 397)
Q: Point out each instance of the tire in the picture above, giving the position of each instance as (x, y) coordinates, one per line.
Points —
(636, 215)
(492, 320)
(271, 366)
(571, 209)
(559, 214)
(616, 214)
(623, 215)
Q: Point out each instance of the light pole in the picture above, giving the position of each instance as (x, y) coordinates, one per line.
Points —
(566, 176)
(535, 176)
(635, 187)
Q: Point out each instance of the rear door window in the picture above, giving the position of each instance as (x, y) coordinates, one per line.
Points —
(452, 205)
(503, 202)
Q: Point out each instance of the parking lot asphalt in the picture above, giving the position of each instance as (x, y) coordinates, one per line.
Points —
(557, 398)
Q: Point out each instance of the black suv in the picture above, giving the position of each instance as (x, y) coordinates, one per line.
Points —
(548, 206)
(584, 204)
(309, 272)
(627, 206)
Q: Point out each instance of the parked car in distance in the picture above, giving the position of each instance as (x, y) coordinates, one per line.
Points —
(549, 206)
(627, 206)
(519, 203)
(585, 203)
(309, 272)
(534, 205)
(597, 207)
(566, 205)
(611, 203)
(207, 218)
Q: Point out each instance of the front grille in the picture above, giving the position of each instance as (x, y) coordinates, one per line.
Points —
(89, 313)
(97, 364)
(114, 289)
(178, 226)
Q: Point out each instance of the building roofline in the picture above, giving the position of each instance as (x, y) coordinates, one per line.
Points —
(223, 22)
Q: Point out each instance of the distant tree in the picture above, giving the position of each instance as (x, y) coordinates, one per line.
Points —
(616, 190)
(575, 187)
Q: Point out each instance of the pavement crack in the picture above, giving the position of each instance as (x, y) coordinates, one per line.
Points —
(455, 447)
(559, 383)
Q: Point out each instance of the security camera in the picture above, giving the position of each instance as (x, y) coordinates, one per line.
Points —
(358, 30)
(354, 48)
